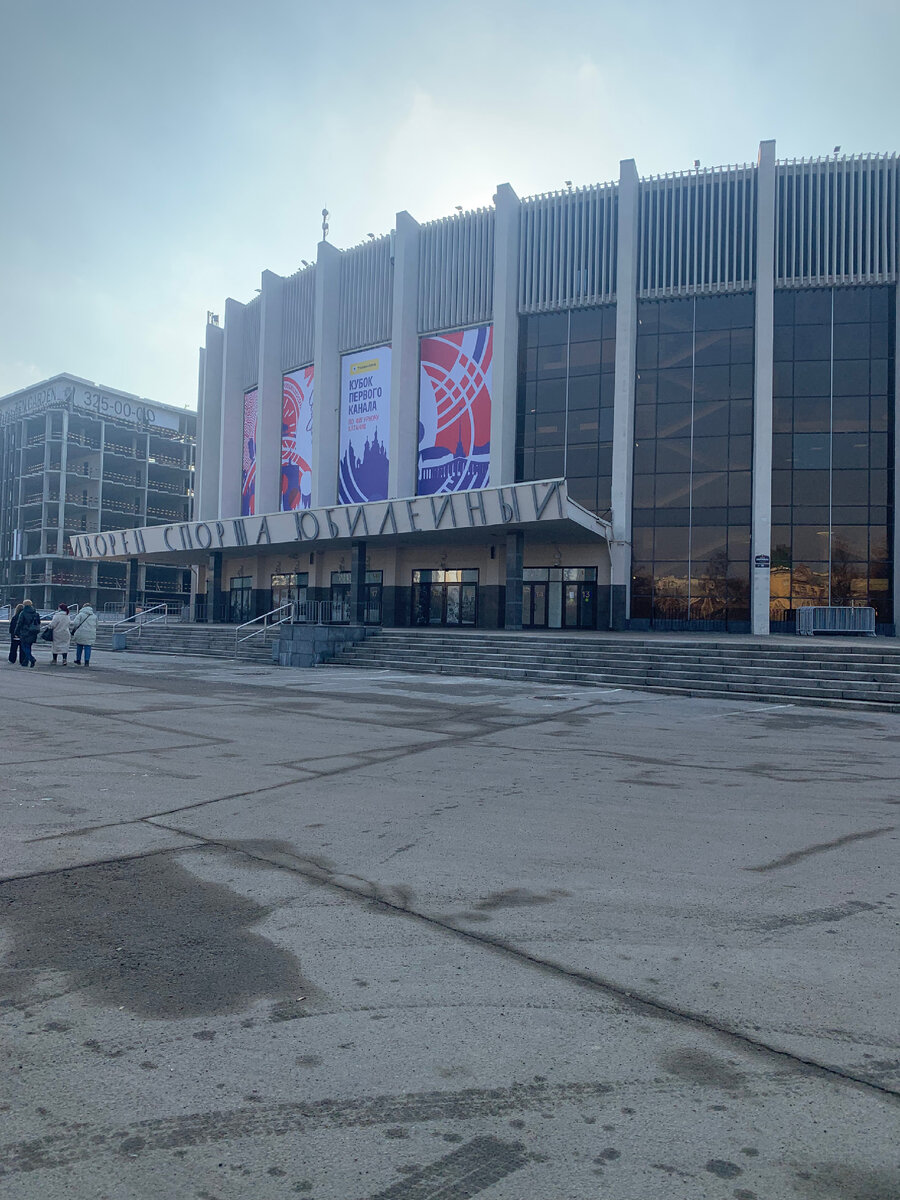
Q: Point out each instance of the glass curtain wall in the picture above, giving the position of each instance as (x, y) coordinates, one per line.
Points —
(564, 423)
(832, 464)
(692, 464)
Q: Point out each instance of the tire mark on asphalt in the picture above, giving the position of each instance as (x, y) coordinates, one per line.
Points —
(816, 916)
(788, 860)
(462, 1174)
(323, 872)
(83, 1142)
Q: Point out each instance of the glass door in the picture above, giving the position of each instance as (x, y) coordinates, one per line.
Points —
(534, 597)
(373, 597)
(340, 597)
(445, 597)
(559, 597)
(241, 599)
(290, 589)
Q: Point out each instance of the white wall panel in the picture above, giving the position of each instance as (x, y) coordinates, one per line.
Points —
(697, 232)
(568, 249)
(836, 220)
(367, 277)
(456, 271)
(298, 319)
(250, 349)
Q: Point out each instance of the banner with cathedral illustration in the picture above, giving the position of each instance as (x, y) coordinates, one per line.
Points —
(296, 439)
(248, 454)
(365, 425)
(455, 410)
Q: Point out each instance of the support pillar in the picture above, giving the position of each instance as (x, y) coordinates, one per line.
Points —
(131, 603)
(231, 413)
(895, 417)
(763, 355)
(515, 555)
(209, 426)
(505, 363)
(357, 583)
(404, 445)
(326, 415)
(268, 439)
(215, 598)
(623, 413)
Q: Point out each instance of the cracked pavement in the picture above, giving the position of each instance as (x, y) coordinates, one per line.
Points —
(359, 935)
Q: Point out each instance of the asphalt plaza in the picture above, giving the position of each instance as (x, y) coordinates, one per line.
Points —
(364, 936)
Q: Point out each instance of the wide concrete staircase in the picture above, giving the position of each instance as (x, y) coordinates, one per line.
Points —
(845, 673)
(204, 641)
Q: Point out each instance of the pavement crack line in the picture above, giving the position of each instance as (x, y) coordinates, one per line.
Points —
(646, 1005)
(364, 759)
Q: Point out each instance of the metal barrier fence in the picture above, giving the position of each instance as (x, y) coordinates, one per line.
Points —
(832, 618)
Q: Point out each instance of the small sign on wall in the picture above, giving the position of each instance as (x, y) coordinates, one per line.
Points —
(761, 560)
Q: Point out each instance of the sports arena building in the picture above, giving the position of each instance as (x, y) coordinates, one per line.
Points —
(662, 403)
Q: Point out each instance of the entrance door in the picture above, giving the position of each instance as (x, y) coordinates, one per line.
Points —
(534, 605)
(290, 589)
(579, 605)
(241, 599)
(373, 597)
(559, 597)
(340, 597)
(445, 597)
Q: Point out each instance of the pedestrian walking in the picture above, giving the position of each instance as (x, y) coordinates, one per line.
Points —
(28, 627)
(84, 630)
(59, 627)
(13, 639)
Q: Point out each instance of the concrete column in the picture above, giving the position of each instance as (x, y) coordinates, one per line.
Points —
(215, 599)
(763, 351)
(505, 365)
(515, 555)
(131, 600)
(358, 583)
(63, 468)
(231, 412)
(327, 402)
(404, 437)
(209, 426)
(623, 414)
(45, 494)
(268, 448)
(895, 549)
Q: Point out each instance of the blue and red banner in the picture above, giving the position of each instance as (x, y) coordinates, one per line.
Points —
(248, 455)
(455, 410)
(365, 425)
(296, 439)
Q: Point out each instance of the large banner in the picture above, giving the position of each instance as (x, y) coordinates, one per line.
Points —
(455, 410)
(296, 439)
(248, 456)
(365, 425)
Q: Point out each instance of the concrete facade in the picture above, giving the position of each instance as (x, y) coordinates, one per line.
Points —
(695, 235)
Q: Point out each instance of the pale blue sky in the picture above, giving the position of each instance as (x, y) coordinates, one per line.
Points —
(157, 157)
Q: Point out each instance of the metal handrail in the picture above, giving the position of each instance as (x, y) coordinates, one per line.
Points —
(139, 620)
(287, 609)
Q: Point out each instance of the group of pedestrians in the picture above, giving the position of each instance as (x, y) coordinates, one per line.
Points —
(25, 629)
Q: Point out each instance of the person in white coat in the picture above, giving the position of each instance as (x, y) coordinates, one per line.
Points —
(84, 630)
(59, 627)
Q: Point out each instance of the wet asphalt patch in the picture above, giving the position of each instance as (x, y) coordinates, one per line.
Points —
(117, 932)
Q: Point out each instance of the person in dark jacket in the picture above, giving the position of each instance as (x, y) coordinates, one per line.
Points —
(28, 627)
(13, 639)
